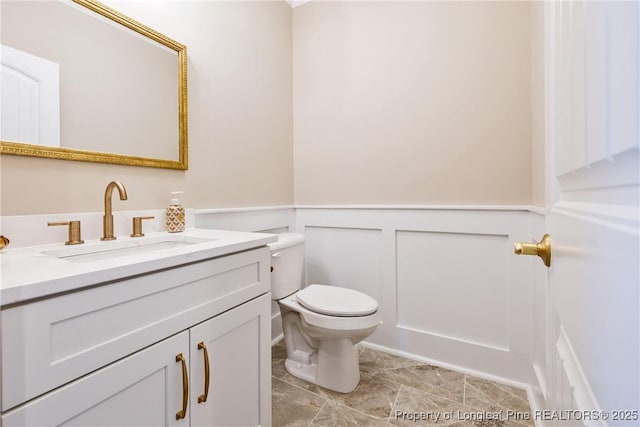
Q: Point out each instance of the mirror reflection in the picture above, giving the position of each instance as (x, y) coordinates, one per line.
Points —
(77, 82)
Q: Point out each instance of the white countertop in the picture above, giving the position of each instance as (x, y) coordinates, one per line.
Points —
(28, 273)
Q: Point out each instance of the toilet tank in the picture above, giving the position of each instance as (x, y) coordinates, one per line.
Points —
(287, 261)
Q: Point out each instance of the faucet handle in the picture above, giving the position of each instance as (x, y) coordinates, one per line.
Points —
(75, 237)
(137, 225)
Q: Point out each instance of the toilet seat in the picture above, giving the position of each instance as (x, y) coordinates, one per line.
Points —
(336, 323)
(336, 301)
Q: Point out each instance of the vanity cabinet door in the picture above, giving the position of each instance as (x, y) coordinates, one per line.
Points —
(238, 346)
(144, 389)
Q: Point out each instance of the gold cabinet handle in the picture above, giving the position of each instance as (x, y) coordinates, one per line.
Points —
(75, 237)
(207, 373)
(137, 225)
(541, 249)
(185, 387)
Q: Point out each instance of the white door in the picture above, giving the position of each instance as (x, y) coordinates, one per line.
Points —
(29, 98)
(144, 389)
(593, 218)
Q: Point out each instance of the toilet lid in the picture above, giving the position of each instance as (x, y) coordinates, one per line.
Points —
(335, 301)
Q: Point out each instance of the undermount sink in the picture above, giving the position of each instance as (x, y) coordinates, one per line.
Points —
(118, 248)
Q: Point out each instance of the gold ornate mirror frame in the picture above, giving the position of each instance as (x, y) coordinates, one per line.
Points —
(22, 149)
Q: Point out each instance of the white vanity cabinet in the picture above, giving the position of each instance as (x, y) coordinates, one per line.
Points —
(144, 389)
(107, 355)
(238, 389)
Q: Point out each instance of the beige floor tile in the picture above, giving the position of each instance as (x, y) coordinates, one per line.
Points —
(278, 356)
(428, 378)
(489, 395)
(277, 368)
(373, 396)
(372, 362)
(292, 406)
(417, 408)
(390, 383)
(279, 351)
(333, 414)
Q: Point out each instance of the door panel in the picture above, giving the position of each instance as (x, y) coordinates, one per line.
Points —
(30, 98)
(593, 216)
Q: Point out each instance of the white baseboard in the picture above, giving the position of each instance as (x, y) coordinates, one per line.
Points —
(276, 323)
(450, 366)
(277, 339)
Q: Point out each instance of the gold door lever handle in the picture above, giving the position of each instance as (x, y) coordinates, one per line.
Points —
(542, 249)
(4, 242)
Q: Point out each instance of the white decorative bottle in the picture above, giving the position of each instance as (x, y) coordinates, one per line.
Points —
(175, 214)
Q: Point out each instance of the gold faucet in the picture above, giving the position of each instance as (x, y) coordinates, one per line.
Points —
(107, 219)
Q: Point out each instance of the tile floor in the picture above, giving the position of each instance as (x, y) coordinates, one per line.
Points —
(397, 391)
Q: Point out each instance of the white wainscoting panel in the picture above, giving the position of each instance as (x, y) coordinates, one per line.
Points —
(345, 257)
(449, 287)
(269, 219)
(454, 285)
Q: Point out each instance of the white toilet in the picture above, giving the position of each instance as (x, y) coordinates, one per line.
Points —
(321, 324)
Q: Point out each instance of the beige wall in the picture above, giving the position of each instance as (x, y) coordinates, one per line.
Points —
(240, 126)
(412, 103)
(537, 105)
(402, 102)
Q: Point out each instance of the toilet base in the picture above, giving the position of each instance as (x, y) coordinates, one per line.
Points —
(334, 365)
(326, 356)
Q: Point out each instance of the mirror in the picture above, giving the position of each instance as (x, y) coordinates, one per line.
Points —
(80, 81)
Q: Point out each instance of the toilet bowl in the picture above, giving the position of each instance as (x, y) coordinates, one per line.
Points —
(322, 324)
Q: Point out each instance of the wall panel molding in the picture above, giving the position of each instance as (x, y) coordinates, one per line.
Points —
(438, 297)
(492, 331)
